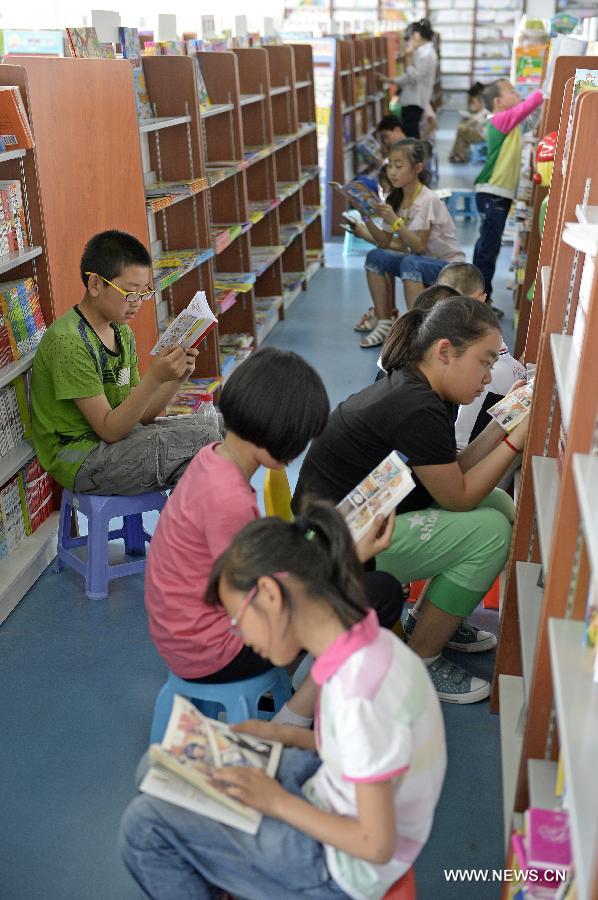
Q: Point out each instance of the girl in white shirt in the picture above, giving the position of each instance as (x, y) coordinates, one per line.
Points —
(417, 82)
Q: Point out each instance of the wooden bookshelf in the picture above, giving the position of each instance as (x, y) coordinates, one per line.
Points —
(555, 531)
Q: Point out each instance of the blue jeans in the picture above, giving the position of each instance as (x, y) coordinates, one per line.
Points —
(174, 854)
(407, 266)
(493, 212)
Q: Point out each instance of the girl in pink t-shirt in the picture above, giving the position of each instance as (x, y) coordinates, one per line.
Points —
(349, 820)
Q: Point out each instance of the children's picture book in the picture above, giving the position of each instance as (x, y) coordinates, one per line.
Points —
(190, 327)
(378, 494)
(84, 43)
(15, 133)
(193, 747)
(202, 91)
(369, 150)
(585, 80)
(548, 842)
(359, 196)
(130, 43)
(131, 49)
(513, 408)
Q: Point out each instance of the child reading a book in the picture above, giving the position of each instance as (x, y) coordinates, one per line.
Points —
(93, 417)
(415, 242)
(472, 130)
(454, 527)
(272, 405)
(497, 182)
(388, 131)
(350, 821)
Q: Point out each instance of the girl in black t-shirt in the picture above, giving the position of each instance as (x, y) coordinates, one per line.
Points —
(455, 526)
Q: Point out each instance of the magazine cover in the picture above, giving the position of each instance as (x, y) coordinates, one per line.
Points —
(369, 150)
(192, 748)
(190, 326)
(378, 494)
(359, 196)
(510, 411)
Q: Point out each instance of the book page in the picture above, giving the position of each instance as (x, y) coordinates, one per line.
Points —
(378, 494)
(511, 410)
(189, 326)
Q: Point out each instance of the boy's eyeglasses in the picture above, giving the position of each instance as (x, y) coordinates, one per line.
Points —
(249, 596)
(128, 296)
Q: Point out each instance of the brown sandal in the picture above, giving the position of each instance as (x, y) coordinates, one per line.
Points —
(367, 322)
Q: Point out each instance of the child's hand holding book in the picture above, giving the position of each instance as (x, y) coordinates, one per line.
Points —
(377, 538)
(253, 788)
(174, 364)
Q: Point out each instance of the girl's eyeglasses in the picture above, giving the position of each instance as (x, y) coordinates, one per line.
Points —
(249, 596)
(128, 296)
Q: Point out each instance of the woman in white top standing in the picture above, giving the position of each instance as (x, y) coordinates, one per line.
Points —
(417, 82)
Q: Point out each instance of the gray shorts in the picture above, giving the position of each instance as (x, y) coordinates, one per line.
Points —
(150, 458)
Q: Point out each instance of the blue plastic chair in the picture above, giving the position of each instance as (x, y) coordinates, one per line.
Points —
(354, 244)
(239, 698)
(462, 203)
(479, 153)
(99, 510)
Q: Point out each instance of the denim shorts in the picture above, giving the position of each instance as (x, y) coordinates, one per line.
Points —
(407, 266)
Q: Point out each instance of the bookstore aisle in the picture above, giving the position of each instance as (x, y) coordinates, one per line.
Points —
(79, 678)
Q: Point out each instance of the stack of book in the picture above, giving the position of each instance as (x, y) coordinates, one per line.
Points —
(224, 235)
(543, 851)
(233, 349)
(14, 416)
(259, 208)
(292, 280)
(242, 282)
(290, 231)
(187, 399)
(266, 314)
(15, 133)
(315, 255)
(13, 233)
(254, 154)
(39, 495)
(174, 264)
(225, 299)
(218, 173)
(263, 257)
(165, 193)
(311, 213)
(12, 521)
(284, 189)
(21, 320)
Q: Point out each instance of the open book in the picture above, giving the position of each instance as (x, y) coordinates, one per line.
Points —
(183, 765)
(360, 196)
(377, 494)
(190, 326)
(513, 408)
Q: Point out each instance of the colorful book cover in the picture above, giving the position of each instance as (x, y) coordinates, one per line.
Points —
(202, 91)
(359, 196)
(548, 841)
(378, 494)
(84, 43)
(15, 133)
(130, 43)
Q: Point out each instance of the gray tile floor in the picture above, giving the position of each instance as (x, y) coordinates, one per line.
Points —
(79, 678)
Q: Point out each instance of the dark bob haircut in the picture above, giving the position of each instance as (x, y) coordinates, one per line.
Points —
(109, 252)
(276, 401)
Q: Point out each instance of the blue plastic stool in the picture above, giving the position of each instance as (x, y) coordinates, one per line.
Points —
(462, 203)
(354, 244)
(434, 168)
(479, 153)
(99, 510)
(239, 698)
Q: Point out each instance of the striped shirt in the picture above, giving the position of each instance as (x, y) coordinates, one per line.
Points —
(378, 718)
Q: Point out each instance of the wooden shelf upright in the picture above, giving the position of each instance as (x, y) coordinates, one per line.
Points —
(555, 541)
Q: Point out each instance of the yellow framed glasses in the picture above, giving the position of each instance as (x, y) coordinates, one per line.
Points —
(128, 296)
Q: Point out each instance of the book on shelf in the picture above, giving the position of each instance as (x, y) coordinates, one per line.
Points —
(191, 326)
(84, 44)
(184, 764)
(561, 45)
(15, 423)
(22, 319)
(39, 495)
(131, 50)
(234, 281)
(378, 494)
(13, 231)
(590, 631)
(202, 91)
(15, 132)
(359, 196)
(513, 408)
(547, 839)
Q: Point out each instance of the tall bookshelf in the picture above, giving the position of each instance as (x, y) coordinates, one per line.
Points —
(543, 677)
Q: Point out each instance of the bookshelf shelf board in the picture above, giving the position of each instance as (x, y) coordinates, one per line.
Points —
(585, 469)
(176, 198)
(542, 782)
(302, 84)
(287, 192)
(511, 741)
(587, 215)
(265, 264)
(306, 128)
(545, 283)
(281, 89)
(577, 711)
(20, 570)
(290, 295)
(313, 269)
(16, 368)
(162, 122)
(529, 601)
(246, 99)
(12, 260)
(12, 461)
(346, 71)
(268, 324)
(546, 490)
(12, 154)
(561, 346)
(216, 110)
(215, 178)
(256, 154)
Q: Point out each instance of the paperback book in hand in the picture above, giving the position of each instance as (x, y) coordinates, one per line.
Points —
(360, 196)
(513, 408)
(378, 494)
(190, 327)
(183, 765)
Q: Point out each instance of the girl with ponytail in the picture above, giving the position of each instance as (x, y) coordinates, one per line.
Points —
(455, 526)
(349, 819)
(417, 82)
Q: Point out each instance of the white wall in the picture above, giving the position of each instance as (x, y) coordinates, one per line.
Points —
(544, 9)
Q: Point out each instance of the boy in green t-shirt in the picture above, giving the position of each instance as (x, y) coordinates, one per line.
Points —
(93, 418)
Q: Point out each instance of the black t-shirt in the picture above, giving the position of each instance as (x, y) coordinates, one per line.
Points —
(400, 412)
